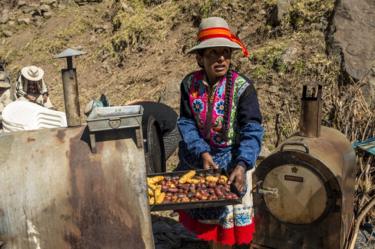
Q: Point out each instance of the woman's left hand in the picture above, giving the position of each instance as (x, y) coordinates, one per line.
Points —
(238, 178)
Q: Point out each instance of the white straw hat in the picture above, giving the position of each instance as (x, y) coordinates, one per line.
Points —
(32, 73)
(215, 32)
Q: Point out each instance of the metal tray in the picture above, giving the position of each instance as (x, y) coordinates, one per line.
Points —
(196, 204)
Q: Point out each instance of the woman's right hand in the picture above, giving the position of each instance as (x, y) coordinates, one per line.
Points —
(208, 162)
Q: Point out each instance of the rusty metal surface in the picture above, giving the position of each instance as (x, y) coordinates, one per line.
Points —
(332, 158)
(71, 99)
(56, 194)
(311, 113)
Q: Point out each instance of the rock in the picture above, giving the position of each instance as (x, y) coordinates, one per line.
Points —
(24, 20)
(81, 2)
(11, 23)
(283, 8)
(4, 16)
(99, 28)
(7, 33)
(61, 6)
(21, 3)
(291, 54)
(354, 36)
(47, 14)
(48, 2)
(27, 9)
(44, 8)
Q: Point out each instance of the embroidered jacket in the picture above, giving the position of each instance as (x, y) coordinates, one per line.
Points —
(214, 119)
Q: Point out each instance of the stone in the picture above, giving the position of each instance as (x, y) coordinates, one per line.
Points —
(44, 8)
(283, 8)
(353, 36)
(291, 54)
(4, 16)
(7, 33)
(24, 20)
(11, 23)
(21, 3)
(61, 6)
(47, 14)
(28, 9)
(98, 28)
(48, 2)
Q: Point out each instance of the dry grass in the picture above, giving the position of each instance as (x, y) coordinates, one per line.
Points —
(350, 113)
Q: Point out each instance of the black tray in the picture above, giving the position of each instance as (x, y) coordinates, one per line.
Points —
(196, 204)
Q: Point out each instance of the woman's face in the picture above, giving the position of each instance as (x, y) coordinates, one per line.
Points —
(215, 62)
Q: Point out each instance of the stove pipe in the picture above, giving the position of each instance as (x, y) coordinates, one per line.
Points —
(311, 112)
(70, 86)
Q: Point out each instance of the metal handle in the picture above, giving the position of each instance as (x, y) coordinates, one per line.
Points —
(114, 123)
(269, 191)
(307, 150)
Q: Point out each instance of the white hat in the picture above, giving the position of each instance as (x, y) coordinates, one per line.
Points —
(32, 73)
(215, 32)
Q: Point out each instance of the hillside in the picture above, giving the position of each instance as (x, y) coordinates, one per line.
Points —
(135, 49)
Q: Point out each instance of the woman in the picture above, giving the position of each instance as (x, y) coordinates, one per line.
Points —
(30, 86)
(220, 126)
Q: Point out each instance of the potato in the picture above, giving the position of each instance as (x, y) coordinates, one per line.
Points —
(155, 179)
(187, 176)
(151, 201)
(212, 179)
(173, 190)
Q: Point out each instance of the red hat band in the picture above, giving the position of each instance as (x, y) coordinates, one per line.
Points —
(210, 33)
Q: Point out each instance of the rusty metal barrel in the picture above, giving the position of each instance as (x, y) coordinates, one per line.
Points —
(306, 187)
(56, 193)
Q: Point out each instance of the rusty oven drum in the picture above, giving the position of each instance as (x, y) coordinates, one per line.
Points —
(305, 192)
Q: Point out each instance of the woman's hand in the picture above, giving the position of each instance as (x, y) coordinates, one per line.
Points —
(237, 177)
(208, 162)
(31, 98)
(45, 97)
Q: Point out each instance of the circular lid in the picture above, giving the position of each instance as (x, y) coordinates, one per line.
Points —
(301, 198)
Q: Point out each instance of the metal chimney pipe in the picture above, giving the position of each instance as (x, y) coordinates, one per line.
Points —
(70, 86)
(311, 113)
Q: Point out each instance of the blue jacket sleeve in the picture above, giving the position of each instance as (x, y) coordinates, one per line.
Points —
(187, 126)
(191, 137)
(251, 136)
(251, 132)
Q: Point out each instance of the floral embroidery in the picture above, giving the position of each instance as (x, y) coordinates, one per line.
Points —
(218, 139)
(198, 105)
(219, 107)
(242, 219)
(218, 124)
(198, 97)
